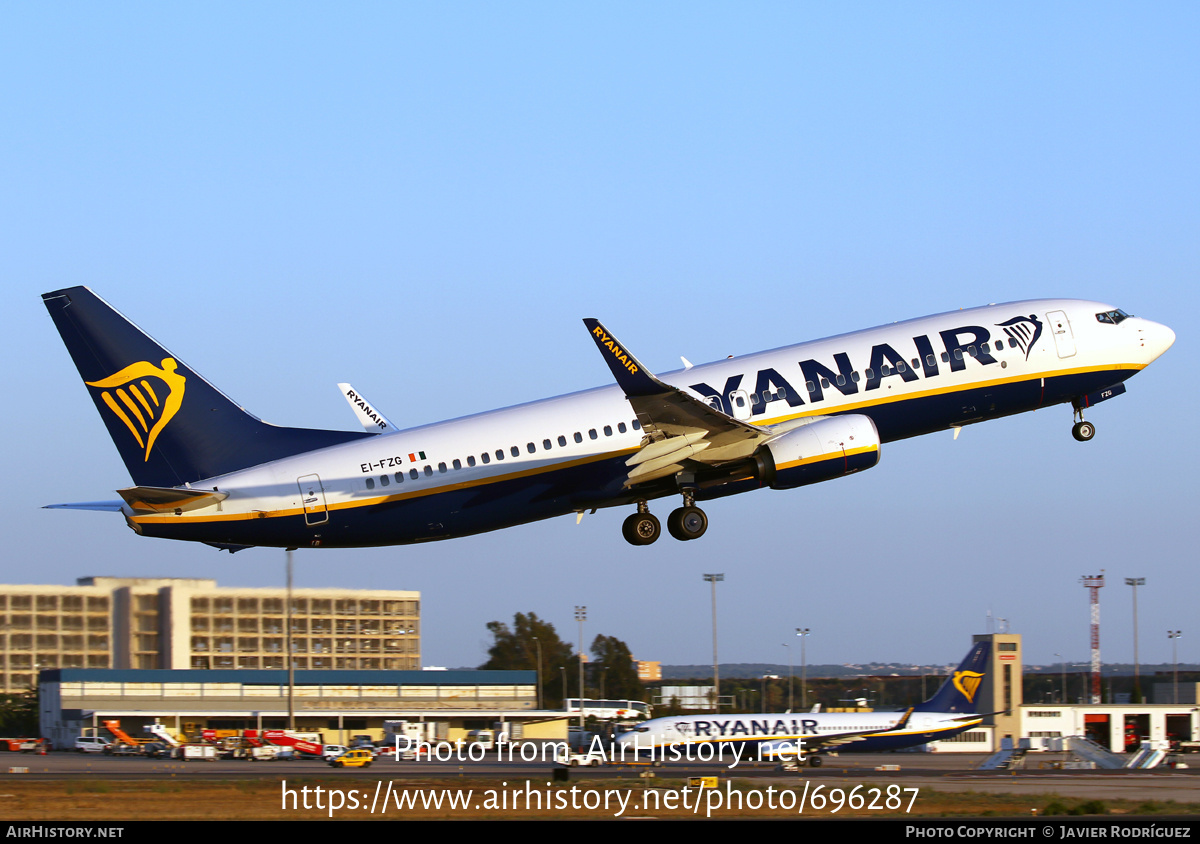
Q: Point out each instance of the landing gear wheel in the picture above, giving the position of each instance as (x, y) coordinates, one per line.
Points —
(1083, 431)
(641, 529)
(687, 523)
(814, 761)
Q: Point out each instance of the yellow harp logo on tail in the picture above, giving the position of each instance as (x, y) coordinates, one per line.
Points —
(968, 682)
(143, 405)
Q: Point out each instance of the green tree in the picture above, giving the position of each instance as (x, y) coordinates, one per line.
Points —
(615, 670)
(19, 714)
(516, 648)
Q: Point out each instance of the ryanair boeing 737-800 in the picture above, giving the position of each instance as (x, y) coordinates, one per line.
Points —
(205, 470)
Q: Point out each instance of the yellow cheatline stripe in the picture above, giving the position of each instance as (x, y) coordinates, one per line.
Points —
(819, 410)
(115, 408)
(128, 402)
(386, 499)
(823, 407)
(831, 455)
(866, 734)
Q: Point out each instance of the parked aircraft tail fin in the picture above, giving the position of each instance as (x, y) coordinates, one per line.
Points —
(170, 426)
(958, 693)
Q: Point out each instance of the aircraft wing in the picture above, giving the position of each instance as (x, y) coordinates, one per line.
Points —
(679, 427)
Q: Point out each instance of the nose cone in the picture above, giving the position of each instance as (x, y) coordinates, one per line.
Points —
(1156, 339)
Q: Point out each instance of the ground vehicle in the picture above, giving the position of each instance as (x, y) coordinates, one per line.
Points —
(577, 758)
(357, 758)
(329, 751)
(607, 710)
(91, 744)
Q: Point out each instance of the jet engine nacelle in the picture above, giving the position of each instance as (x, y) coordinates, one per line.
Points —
(820, 451)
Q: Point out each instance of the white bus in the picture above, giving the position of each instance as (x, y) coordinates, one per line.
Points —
(609, 710)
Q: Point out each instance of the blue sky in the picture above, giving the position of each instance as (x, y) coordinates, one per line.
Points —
(424, 199)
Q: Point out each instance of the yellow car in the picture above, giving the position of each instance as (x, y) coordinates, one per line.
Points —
(353, 759)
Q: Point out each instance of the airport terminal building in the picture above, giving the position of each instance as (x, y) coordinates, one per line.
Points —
(336, 704)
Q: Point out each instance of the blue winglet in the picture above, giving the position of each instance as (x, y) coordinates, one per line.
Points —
(631, 376)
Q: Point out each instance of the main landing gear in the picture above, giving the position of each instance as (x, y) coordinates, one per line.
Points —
(1082, 431)
(684, 523)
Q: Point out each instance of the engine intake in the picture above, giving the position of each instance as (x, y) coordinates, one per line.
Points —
(823, 450)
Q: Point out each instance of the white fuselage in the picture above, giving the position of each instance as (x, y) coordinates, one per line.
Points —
(567, 454)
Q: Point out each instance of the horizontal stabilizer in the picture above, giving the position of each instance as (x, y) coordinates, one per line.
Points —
(102, 506)
(157, 499)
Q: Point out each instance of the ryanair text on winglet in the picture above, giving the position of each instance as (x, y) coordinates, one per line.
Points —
(618, 353)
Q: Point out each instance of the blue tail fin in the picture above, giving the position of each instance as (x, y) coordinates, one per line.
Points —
(957, 694)
(169, 424)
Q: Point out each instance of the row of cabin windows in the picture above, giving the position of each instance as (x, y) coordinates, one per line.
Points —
(547, 444)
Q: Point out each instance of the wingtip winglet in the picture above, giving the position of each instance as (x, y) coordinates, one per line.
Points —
(632, 377)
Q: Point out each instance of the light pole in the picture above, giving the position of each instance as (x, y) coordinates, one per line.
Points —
(1173, 635)
(803, 633)
(290, 656)
(1135, 582)
(791, 679)
(538, 642)
(714, 579)
(581, 617)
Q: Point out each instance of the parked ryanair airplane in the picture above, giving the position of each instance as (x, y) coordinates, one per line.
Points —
(949, 712)
(205, 470)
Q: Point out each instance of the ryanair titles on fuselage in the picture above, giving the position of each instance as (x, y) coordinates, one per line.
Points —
(716, 728)
(885, 362)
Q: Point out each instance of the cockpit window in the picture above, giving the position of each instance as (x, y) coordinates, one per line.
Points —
(1113, 317)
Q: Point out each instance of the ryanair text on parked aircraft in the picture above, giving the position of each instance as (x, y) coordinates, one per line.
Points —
(207, 471)
(949, 712)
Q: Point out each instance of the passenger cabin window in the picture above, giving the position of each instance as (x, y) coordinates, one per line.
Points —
(457, 463)
(637, 426)
(499, 454)
(383, 480)
(516, 452)
(608, 430)
(485, 457)
(621, 427)
(562, 441)
(592, 433)
(370, 483)
(399, 477)
(441, 467)
(429, 471)
(546, 444)
(578, 437)
(470, 459)
(530, 447)
(412, 473)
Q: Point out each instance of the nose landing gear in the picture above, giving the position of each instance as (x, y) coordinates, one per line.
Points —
(1082, 431)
